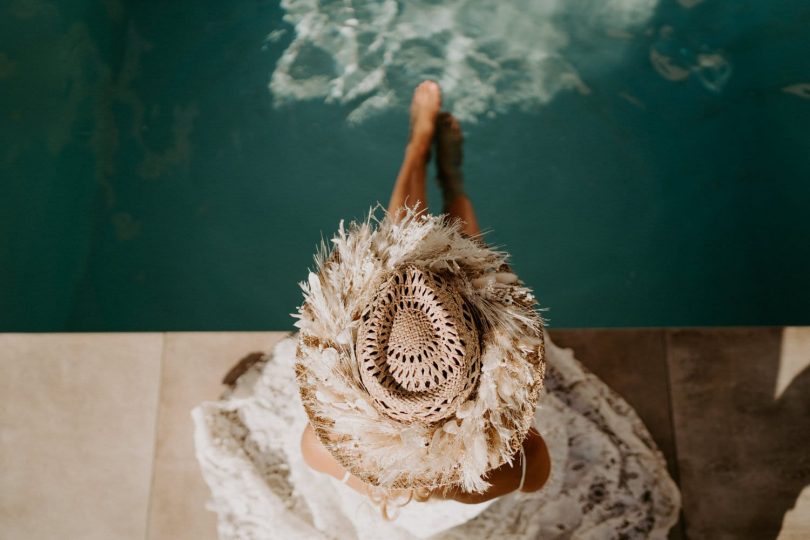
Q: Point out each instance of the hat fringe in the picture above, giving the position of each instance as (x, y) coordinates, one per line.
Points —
(487, 429)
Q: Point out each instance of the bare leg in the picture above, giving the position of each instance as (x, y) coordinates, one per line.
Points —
(410, 184)
(461, 207)
(448, 160)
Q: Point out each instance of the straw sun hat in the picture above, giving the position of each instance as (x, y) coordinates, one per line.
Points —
(420, 354)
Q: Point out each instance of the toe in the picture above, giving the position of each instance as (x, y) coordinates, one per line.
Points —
(431, 90)
(431, 85)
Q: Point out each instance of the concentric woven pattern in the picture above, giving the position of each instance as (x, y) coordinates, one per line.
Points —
(417, 347)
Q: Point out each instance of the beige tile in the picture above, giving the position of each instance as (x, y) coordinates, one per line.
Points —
(794, 363)
(740, 446)
(796, 523)
(78, 428)
(193, 367)
(794, 357)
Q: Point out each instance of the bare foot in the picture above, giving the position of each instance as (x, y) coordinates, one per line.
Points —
(427, 100)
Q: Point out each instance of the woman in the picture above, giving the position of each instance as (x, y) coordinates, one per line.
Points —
(422, 397)
(426, 123)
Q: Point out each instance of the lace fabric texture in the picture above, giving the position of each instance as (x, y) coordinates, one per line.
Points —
(608, 479)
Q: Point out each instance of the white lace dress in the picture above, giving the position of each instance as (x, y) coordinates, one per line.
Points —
(608, 479)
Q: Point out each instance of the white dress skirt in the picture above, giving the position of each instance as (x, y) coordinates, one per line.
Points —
(608, 478)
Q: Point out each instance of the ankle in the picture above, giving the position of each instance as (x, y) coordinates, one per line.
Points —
(451, 185)
(450, 199)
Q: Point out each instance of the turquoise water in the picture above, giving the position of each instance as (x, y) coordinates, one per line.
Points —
(171, 165)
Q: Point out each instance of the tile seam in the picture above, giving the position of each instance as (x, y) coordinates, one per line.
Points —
(156, 429)
(667, 341)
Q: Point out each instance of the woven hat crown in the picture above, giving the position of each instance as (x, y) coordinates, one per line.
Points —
(418, 347)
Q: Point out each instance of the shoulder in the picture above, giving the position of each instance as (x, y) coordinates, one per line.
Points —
(315, 454)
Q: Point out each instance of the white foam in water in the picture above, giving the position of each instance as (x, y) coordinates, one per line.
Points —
(488, 55)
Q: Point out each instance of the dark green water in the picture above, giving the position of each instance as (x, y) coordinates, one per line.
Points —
(148, 182)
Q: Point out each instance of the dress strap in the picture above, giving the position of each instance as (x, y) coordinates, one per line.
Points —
(523, 466)
(346, 477)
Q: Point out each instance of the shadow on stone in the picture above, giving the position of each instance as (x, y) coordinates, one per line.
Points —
(742, 452)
